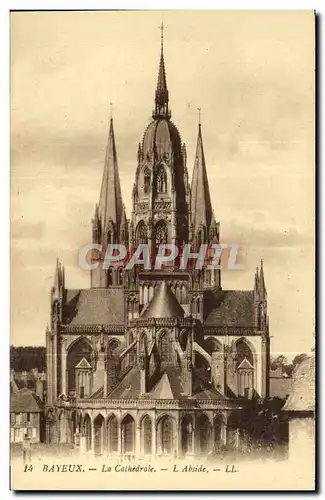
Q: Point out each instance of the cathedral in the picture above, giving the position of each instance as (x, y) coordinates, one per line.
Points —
(154, 362)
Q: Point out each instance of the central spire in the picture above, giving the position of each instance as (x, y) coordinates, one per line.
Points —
(161, 99)
(163, 304)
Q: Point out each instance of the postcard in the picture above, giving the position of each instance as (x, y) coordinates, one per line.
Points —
(162, 250)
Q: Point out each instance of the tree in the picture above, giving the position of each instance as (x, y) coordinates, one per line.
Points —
(299, 358)
(287, 368)
(279, 362)
(27, 358)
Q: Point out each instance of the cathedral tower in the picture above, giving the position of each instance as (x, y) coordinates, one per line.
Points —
(109, 224)
(203, 226)
(161, 190)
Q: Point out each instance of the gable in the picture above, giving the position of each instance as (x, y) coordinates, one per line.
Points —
(83, 364)
(245, 365)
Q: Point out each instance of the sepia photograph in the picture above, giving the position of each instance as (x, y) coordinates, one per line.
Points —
(162, 250)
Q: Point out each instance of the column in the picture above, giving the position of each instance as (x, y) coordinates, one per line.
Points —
(213, 437)
(108, 437)
(153, 436)
(224, 433)
(54, 367)
(63, 428)
(137, 440)
(173, 215)
(92, 427)
(103, 432)
(193, 435)
(83, 444)
(63, 368)
(119, 440)
(48, 365)
(50, 375)
(105, 384)
(178, 438)
(47, 432)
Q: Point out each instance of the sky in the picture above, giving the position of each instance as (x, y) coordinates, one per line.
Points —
(251, 73)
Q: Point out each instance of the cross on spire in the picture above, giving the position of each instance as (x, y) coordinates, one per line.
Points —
(162, 27)
(161, 99)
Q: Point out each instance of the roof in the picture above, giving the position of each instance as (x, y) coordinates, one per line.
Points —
(163, 304)
(25, 401)
(83, 363)
(280, 387)
(129, 387)
(168, 386)
(95, 306)
(25, 383)
(302, 397)
(13, 387)
(161, 136)
(163, 389)
(229, 308)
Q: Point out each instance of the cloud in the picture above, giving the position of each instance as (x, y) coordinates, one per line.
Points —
(253, 78)
(26, 231)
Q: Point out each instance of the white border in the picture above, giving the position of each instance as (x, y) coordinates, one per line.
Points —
(5, 6)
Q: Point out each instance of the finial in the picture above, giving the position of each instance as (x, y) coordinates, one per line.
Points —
(111, 110)
(162, 27)
(199, 110)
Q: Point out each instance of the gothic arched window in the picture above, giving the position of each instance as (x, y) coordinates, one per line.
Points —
(128, 434)
(161, 233)
(204, 430)
(110, 276)
(260, 317)
(147, 435)
(187, 434)
(200, 235)
(142, 234)
(213, 345)
(120, 275)
(114, 344)
(245, 369)
(77, 351)
(146, 179)
(113, 434)
(109, 237)
(243, 351)
(177, 292)
(165, 347)
(166, 435)
(161, 180)
(183, 295)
